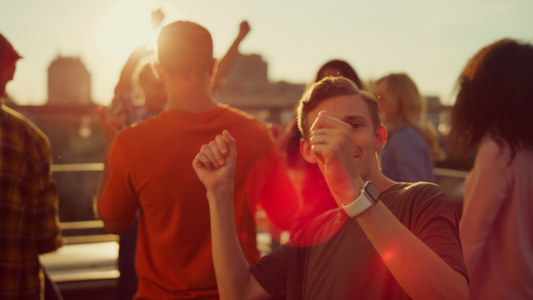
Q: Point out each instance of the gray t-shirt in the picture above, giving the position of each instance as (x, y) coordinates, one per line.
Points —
(331, 258)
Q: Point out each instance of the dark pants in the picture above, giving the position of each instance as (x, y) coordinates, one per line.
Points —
(51, 291)
(127, 283)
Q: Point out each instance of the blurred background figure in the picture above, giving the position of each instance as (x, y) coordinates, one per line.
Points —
(307, 177)
(29, 220)
(139, 94)
(149, 90)
(226, 63)
(337, 67)
(493, 111)
(412, 142)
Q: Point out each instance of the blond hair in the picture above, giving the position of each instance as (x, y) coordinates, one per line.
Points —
(408, 107)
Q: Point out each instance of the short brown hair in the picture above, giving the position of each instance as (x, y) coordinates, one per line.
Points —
(330, 87)
(184, 49)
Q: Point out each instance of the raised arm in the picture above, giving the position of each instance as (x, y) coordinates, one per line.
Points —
(416, 267)
(124, 84)
(225, 64)
(215, 167)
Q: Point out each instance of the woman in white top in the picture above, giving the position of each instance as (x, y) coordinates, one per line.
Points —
(494, 110)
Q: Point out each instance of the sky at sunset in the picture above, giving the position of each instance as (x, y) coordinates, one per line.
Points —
(429, 40)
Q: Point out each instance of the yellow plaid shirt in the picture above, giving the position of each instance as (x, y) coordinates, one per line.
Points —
(29, 222)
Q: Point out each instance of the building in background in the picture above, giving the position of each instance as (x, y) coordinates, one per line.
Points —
(248, 88)
(69, 82)
(71, 121)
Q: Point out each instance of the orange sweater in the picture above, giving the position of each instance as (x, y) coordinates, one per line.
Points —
(150, 166)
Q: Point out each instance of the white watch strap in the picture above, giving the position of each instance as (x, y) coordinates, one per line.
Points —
(358, 206)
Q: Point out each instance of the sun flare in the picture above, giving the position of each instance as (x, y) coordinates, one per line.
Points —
(124, 26)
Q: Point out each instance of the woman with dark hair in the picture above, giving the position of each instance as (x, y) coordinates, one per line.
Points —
(337, 67)
(494, 110)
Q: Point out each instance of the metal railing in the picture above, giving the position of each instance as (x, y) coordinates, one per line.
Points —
(91, 259)
(97, 224)
(450, 173)
(85, 167)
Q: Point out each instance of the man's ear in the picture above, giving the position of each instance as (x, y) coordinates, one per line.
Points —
(381, 138)
(307, 153)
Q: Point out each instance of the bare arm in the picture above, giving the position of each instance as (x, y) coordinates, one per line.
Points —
(485, 190)
(416, 267)
(418, 270)
(225, 64)
(215, 167)
(124, 84)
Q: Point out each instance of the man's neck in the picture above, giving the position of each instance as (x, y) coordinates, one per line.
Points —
(189, 96)
(379, 179)
(382, 182)
(192, 103)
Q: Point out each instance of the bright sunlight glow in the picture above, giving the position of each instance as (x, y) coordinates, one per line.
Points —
(123, 27)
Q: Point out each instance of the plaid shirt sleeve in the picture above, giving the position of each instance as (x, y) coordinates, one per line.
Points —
(44, 193)
(29, 222)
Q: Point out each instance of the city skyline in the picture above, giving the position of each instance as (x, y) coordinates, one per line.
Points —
(431, 41)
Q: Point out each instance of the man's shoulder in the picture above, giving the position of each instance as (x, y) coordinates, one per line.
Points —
(242, 117)
(415, 194)
(245, 125)
(420, 186)
(401, 187)
(137, 130)
(19, 124)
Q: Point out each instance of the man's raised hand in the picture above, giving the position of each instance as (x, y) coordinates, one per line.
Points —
(215, 162)
(244, 28)
(332, 144)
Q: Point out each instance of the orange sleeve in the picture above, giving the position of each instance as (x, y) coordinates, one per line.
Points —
(118, 201)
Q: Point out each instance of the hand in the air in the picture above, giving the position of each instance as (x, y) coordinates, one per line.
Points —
(215, 162)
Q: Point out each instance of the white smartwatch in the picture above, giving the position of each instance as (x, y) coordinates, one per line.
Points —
(369, 196)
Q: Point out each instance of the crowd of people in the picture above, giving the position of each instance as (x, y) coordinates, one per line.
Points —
(351, 178)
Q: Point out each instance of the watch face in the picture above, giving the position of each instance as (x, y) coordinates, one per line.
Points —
(371, 190)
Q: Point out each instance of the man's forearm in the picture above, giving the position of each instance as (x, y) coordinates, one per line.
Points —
(416, 267)
(231, 268)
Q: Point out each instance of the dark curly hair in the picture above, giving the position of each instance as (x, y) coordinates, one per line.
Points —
(495, 98)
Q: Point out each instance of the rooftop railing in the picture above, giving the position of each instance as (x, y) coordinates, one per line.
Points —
(88, 262)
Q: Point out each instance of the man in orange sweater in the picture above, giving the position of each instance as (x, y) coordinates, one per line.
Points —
(149, 166)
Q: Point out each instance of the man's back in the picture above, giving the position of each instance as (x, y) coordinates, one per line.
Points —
(152, 163)
(28, 205)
